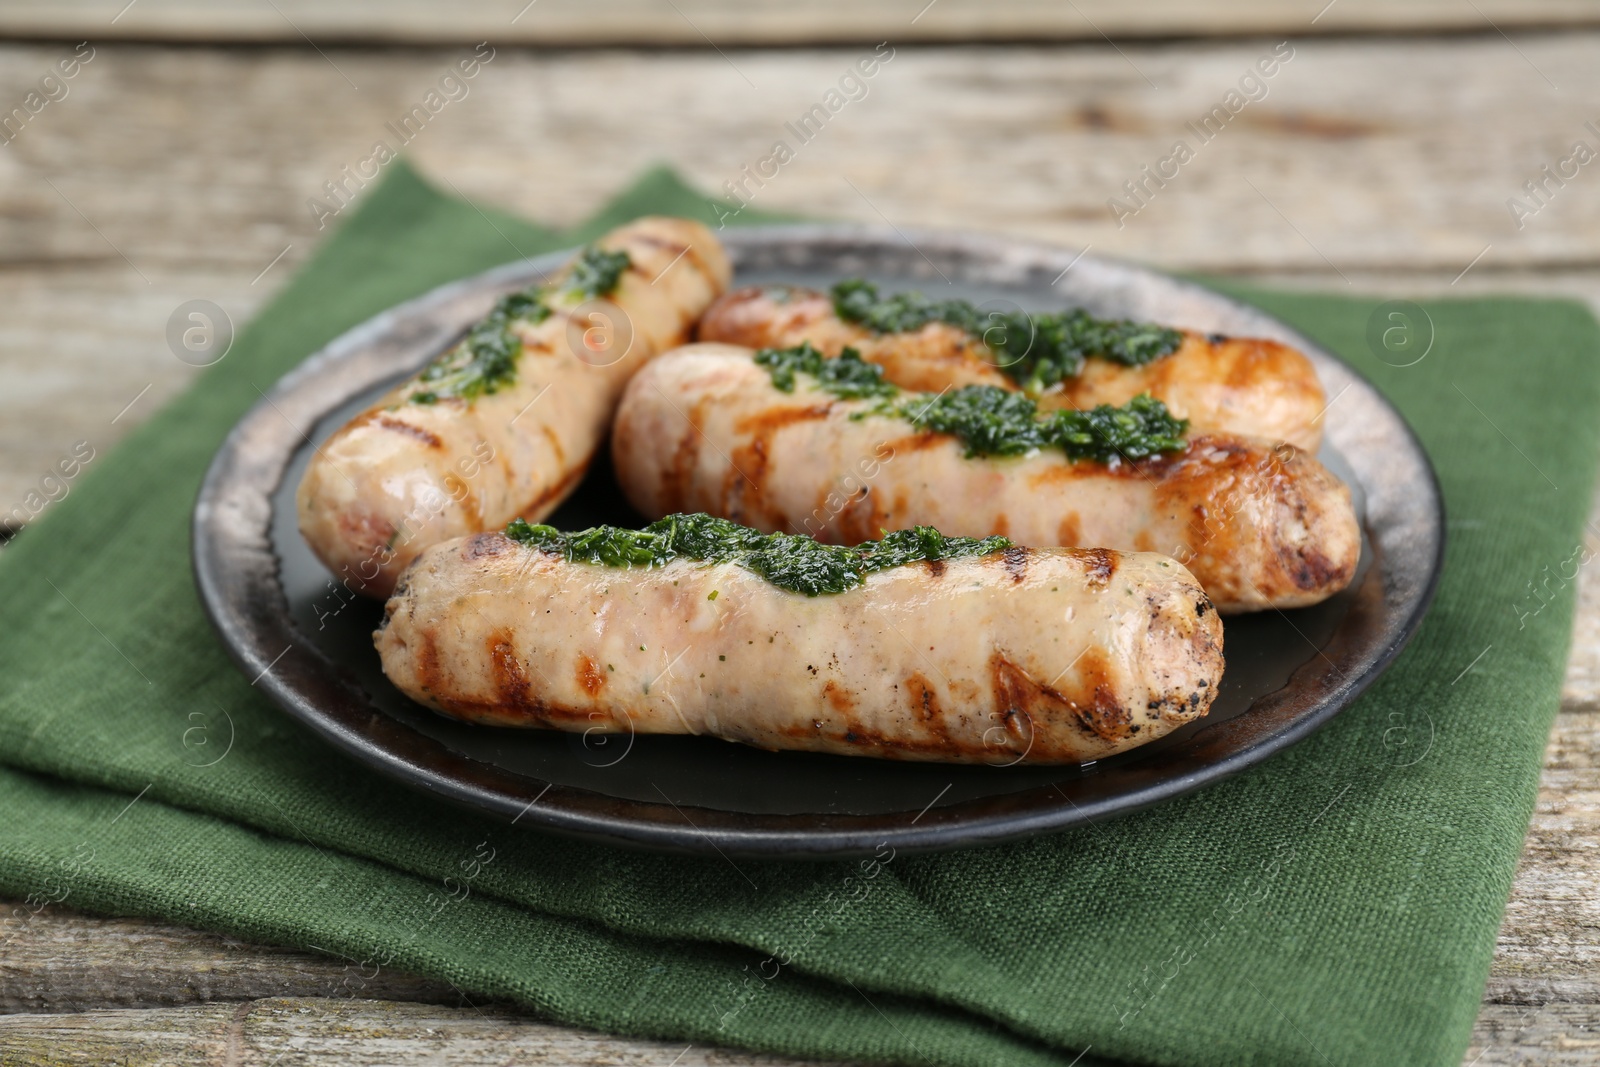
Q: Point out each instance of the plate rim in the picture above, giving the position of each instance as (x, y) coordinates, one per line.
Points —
(302, 681)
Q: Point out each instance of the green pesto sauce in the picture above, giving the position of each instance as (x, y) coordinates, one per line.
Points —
(849, 377)
(997, 422)
(989, 420)
(1036, 351)
(485, 361)
(797, 563)
(595, 273)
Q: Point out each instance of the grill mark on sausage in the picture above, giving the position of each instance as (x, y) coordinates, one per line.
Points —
(675, 479)
(466, 499)
(555, 443)
(1015, 560)
(917, 442)
(1094, 706)
(839, 697)
(936, 568)
(1251, 361)
(807, 316)
(485, 545)
(429, 676)
(924, 701)
(677, 248)
(400, 426)
(927, 711)
(590, 677)
(766, 423)
(513, 703)
(1069, 531)
(860, 519)
(1309, 569)
(820, 516)
(743, 493)
(751, 318)
(1106, 716)
(1100, 565)
(746, 483)
(632, 268)
(510, 681)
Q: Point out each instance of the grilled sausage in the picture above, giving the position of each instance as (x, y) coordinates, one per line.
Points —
(404, 474)
(1236, 385)
(705, 429)
(1040, 656)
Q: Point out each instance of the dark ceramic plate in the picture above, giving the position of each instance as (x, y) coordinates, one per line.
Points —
(1287, 672)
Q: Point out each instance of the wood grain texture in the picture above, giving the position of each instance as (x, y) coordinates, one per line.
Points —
(298, 1032)
(769, 22)
(167, 175)
(172, 174)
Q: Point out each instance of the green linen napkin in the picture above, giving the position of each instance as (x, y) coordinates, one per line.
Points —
(1336, 905)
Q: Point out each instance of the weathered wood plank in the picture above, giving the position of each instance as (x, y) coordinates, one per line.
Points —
(289, 1032)
(1548, 1035)
(59, 961)
(766, 22)
(167, 175)
(1378, 153)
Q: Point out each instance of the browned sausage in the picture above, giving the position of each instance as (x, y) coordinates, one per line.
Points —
(1039, 656)
(425, 464)
(705, 429)
(1236, 385)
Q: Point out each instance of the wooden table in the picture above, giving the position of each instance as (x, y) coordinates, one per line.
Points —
(1378, 162)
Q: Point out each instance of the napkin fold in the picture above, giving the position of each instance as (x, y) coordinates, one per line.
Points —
(1336, 905)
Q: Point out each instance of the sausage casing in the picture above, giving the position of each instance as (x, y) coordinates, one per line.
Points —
(402, 475)
(1040, 656)
(1237, 385)
(704, 429)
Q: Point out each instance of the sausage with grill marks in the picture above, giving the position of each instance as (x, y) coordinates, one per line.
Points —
(1024, 655)
(402, 475)
(1237, 385)
(704, 429)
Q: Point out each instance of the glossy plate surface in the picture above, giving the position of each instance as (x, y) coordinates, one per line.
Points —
(1287, 672)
